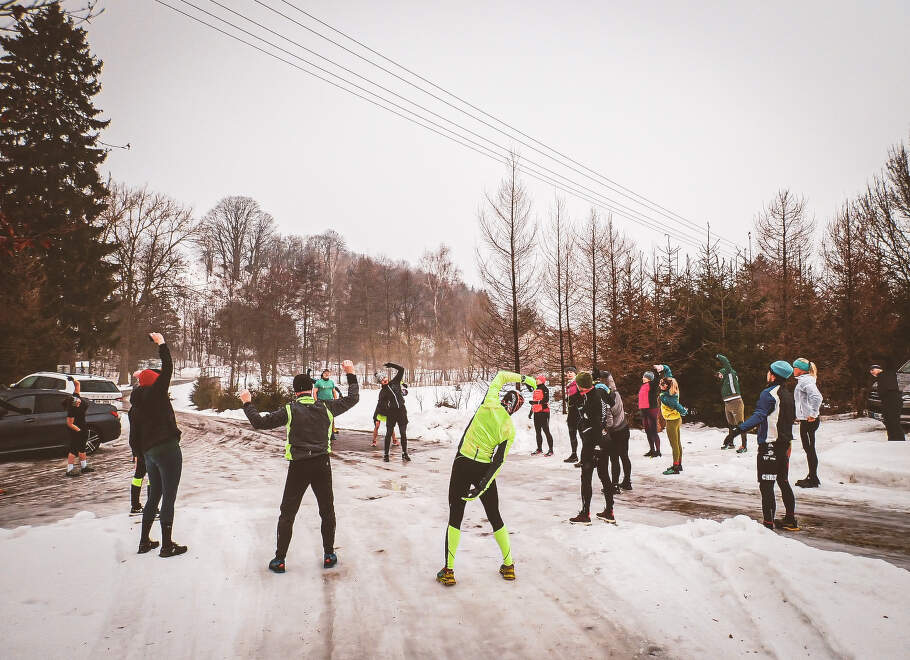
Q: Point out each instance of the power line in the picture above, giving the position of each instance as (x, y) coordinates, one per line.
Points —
(483, 149)
(626, 192)
(638, 216)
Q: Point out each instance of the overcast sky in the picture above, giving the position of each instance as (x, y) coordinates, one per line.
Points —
(707, 108)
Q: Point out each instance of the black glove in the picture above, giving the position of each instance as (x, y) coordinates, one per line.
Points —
(473, 494)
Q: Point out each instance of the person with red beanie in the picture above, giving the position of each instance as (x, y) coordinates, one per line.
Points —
(153, 429)
(540, 411)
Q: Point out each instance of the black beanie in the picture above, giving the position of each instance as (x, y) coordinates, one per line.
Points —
(303, 382)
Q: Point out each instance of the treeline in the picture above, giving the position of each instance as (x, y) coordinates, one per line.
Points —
(581, 292)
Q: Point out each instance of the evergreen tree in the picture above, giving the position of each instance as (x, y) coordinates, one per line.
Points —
(50, 189)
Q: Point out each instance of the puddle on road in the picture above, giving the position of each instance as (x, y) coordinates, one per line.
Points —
(391, 484)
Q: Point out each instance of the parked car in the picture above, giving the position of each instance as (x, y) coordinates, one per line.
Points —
(33, 420)
(874, 402)
(93, 388)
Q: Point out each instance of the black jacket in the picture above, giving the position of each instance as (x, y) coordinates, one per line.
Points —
(151, 415)
(391, 398)
(592, 413)
(887, 381)
(309, 433)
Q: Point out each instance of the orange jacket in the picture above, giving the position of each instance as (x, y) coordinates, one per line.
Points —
(540, 401)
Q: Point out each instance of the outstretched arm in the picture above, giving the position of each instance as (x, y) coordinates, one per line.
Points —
(345, 403)
(501, 379)
(762, 410)
(259, 421)
(399, 372)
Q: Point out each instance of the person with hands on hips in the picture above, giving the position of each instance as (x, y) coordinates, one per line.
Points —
(483, 449)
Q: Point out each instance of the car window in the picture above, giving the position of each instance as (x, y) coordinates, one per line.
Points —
(49, 383)
(97, 386)
(26, 402)
(906, 368)
(51, 403)
(27, 383)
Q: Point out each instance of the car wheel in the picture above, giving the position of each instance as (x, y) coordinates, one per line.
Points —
(92, 442)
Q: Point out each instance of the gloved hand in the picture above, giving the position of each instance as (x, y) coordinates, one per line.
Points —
(685, 412)
(473, 494)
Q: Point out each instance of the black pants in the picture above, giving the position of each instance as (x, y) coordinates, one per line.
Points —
(136, 485)
(542, 423)
(164, 467)
(315, 472)
(619, 455)
(807, 435)
(402, 421)
(891, 411)
(573, 434)
(594, 455)
(467, 473)
(774, 466)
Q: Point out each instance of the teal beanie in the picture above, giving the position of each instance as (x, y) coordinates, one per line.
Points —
(781, 369)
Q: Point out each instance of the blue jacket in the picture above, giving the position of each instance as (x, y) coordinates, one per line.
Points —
(774, 415)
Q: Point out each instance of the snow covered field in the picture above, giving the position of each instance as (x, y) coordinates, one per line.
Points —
(657, 584)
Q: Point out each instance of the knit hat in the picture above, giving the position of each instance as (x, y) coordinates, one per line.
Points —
(876, 366)
(541, 379)
(147, 377)
(380, 376)
(781, 369)
(648, 374)
(571, 368)
(303, 382)
(801, 363)
(584, 380)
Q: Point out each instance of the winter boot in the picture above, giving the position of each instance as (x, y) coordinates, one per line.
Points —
(787, 523)
(573, 458)
(446, 577)
(145, 543)
(607, 516)
(507, 572)
(277, 565)
(168, 547)
(583, 518)
(329, 559)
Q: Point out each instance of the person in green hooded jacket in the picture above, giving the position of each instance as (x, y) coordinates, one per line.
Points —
(732, 396)
(481, 453)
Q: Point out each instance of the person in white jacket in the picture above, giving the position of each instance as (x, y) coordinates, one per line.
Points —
(808, 400)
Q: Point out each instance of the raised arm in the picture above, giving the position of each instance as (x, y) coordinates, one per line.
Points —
(398, 375)
(501, 379)
(271, 420)
(163, 382)
(345, 403)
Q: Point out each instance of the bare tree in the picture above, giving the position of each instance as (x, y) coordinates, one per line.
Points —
(235, 237)
(555, 248)
(784, 235)
(150, 231)
(590, 242)
(441, 276)
(507, 265)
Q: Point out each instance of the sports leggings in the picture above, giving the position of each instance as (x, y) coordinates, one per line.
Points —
(649, 422)
(402, 422)
(620, 454)
(766, 487)
(673, 426)
(542, 423)
(593, 457)
(807, 435)
(467, 473)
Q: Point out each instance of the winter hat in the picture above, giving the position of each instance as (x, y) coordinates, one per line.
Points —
(380, 376)
(572, 369)
(147, 377)
(876, 366)
(648, 374)
(541, 379)
(781, 369)
(303, 382)
(801, 363)
(584, 380)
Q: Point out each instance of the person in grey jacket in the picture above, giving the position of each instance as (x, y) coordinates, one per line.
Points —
(617, 426)
(808, 402)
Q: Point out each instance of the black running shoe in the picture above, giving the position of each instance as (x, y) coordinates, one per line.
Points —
(405, 458)
(386, 458)
(583, 518)
(329, 560)
(607, 516)
(171, 550)
(146, 546)
(88, 468)
(572, 459)
(650, 454)
(626, 485)
(277, 565)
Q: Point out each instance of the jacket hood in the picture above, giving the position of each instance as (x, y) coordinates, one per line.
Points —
(724, 362)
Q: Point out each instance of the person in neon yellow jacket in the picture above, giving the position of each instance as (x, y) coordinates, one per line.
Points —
(481, 453)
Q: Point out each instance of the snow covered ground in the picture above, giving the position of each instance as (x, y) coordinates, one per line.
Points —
(656, 584)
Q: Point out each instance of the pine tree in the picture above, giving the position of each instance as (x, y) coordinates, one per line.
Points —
(50, 189)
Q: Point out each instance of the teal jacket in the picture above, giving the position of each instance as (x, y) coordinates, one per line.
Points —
(729, 384)
(672, 401)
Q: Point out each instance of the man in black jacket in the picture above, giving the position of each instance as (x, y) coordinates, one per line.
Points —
(153, 430)
(391, 404)
(890, 393)
(309, 444)
(592, 411)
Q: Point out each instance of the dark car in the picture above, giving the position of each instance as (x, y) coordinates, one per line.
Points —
(874, 402)
(33, 420)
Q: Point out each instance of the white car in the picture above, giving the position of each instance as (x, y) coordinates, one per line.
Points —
(93, 388)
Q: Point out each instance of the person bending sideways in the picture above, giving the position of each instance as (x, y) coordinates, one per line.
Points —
(309, 445)
(482, 451)
(78, 433)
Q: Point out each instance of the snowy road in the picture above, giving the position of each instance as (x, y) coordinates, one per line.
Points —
(653, 586)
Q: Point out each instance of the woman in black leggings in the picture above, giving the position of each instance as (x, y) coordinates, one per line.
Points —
(540, 410)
